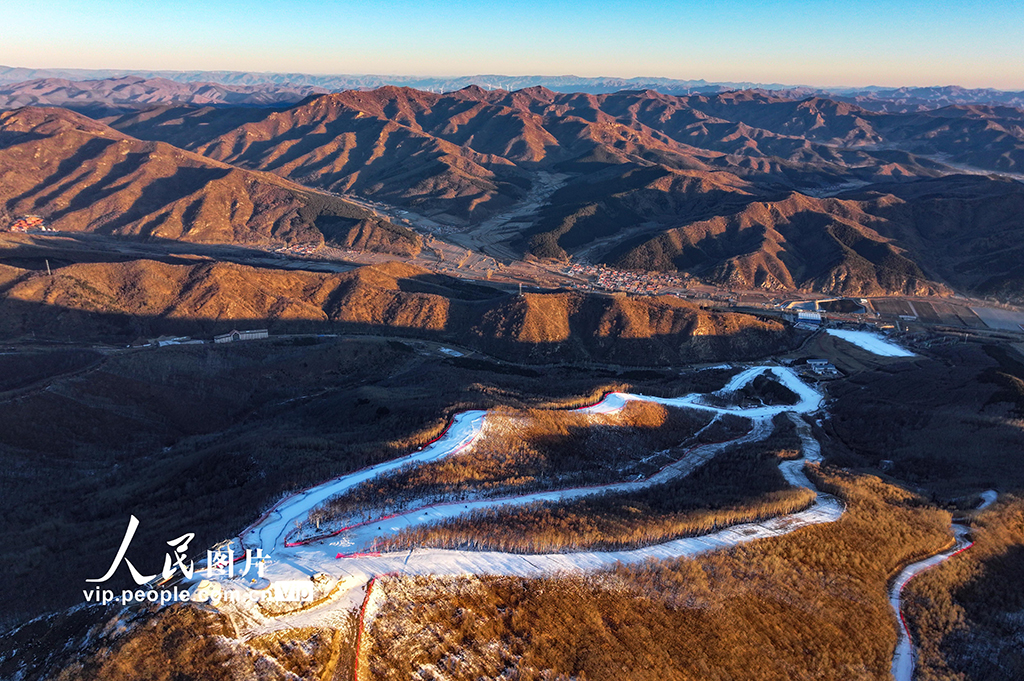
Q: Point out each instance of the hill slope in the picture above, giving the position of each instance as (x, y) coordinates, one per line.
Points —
(80, 175)
(741, 187)
(965, 232)
(146, 298)
(746, 187)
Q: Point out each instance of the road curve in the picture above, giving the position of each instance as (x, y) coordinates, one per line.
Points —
(904, 658)
(294, 565)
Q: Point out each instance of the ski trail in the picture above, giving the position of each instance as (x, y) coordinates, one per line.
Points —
(904, 658)
(270, 530)
(360, 537)
(295, 564)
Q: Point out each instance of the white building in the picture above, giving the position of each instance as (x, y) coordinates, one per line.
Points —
(235, 335)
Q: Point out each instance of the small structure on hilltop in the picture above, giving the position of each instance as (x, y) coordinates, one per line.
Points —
(234, 336)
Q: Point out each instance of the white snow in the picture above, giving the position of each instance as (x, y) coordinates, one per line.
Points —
(872, 342)
(810, 399)
(360, 538)
(988, 498)
(294, 565)
(904, 658)
(270, 532)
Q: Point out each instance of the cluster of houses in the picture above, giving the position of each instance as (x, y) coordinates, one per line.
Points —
(631, 281)
(298, 249)
(822, 367)
(29, 223)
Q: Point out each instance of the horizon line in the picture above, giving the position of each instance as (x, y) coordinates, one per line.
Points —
(745, 84)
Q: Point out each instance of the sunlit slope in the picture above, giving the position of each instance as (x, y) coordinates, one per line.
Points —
(146, 297)
(80, 175)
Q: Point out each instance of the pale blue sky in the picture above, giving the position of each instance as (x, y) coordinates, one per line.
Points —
(823, 42)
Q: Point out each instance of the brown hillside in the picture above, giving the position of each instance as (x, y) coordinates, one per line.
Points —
(80, 175)
(920, 237)
(701, 183)
(820, 244)
(146, 298)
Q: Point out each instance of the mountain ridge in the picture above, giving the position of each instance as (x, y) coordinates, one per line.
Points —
(878, 98)
(81, 175)
(740, 188)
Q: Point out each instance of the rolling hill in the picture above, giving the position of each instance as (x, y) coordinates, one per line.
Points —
(80, 175)
(963, 231)
(105, 96)
(745, 188)
(146, 298)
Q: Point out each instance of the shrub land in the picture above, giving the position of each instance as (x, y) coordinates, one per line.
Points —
(967, 615)
(177, 642)
(950, 423)
(807, 605)
(742, 484)
(204, 438)
(521, 451)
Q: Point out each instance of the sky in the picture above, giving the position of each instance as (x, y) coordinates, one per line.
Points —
(797, 42)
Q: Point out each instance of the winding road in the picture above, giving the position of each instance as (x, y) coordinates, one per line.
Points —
(339, 558)
(905, 658)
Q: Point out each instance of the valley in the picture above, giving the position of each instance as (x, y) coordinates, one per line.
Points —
(342, 562)
(517, 384)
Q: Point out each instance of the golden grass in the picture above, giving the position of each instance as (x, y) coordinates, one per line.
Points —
(965, 614)
(808, 605)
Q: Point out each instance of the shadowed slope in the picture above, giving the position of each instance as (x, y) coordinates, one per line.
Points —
(118, 300)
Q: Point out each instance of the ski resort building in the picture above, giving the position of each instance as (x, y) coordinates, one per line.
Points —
(234, 336)
(822, 367)
(807, 320)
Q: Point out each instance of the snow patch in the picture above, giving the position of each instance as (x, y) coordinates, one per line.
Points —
(872, 342)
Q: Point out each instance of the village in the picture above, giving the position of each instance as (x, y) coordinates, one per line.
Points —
(28, 224)
(630, 281)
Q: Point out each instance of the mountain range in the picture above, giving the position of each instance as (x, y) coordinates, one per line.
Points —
(111, 95)
(147, 298)
(82, 175)
(897, 99)
(743, 188)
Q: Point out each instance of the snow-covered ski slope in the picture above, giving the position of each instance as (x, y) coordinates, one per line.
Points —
(269, 531)
(361, 536)
(289, 563)
(825, 508)
(294, 565)
(872, 342)
(904, 658)
(810, 399)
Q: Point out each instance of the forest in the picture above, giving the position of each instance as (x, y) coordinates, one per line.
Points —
(521, 451)
(742, 484)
